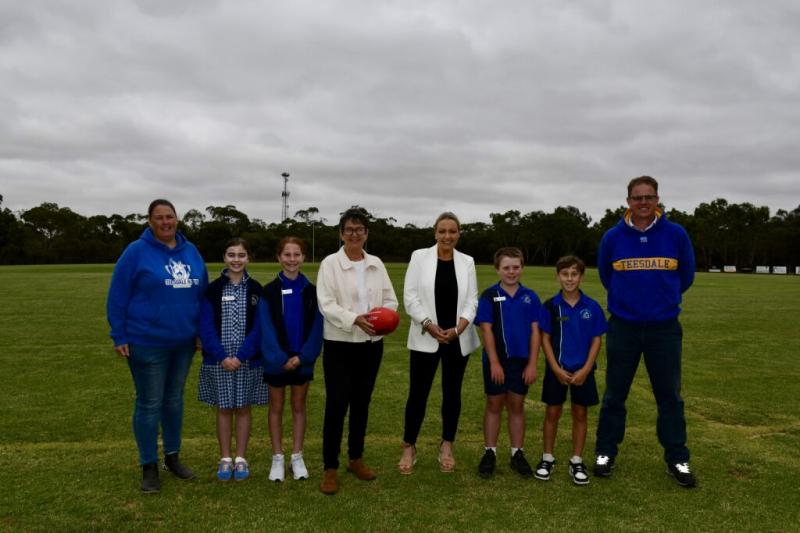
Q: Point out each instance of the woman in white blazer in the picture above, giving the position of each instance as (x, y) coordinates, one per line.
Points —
(441, 297)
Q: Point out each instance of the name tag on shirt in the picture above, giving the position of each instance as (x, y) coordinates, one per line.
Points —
(228, 298)
(499, 299)
(286, 291)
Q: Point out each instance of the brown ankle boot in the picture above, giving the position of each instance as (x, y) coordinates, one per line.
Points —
(329, 484)
(362, 471)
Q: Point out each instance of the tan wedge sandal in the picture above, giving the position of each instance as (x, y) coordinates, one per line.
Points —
(407, 461)
(447, 463)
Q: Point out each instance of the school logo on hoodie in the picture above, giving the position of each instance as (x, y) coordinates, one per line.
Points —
(180, 275)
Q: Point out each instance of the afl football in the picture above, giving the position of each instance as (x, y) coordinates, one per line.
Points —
(384, 320)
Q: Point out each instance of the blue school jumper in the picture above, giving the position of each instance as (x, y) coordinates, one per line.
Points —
(291, 324)
(213, 307)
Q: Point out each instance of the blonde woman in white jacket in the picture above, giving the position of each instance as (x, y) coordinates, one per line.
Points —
(441, 297)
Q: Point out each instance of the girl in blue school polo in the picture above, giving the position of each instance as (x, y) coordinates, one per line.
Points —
(230, 377)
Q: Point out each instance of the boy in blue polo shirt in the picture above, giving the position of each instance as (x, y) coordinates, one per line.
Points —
(508, 315)
(572, 326)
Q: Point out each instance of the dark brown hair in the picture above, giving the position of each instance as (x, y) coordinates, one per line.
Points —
(238, 241)
(570, 261)
(642, 180)
(160, 201)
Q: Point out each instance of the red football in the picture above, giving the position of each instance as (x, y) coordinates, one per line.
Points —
(384, 320)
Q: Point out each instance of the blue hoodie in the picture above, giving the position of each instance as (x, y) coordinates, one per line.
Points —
(154, 297)
(646, 272)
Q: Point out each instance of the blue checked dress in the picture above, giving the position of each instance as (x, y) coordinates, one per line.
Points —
(220, 387)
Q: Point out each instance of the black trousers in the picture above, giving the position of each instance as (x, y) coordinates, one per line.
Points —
(422, 369)
(350, 371)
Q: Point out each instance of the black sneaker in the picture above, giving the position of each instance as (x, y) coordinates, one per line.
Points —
(682, 474)
(520, 465)
(150, 482)
(544, 469)
(174, 465)
(603, 466)
(487, 465)
(579, 474)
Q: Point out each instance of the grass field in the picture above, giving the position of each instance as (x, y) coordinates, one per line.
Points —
(68, 460)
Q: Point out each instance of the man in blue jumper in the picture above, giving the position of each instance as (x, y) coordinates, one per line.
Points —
(645, 263)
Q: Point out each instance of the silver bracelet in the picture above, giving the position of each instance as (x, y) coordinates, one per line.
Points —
(425, 323)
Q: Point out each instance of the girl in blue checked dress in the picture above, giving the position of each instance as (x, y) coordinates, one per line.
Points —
(231, 374)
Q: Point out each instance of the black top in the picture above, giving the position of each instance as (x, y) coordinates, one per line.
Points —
(445, 291)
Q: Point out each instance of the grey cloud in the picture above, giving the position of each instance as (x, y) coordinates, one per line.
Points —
(403, 107)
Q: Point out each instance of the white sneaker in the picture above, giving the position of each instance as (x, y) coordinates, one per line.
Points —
(277, 472)
(298, 466)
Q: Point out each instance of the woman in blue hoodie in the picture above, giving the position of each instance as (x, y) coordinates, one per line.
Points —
(291, 327)
(153, 308)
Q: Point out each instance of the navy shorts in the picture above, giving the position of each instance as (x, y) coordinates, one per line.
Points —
(295, 378)
(554, 393)
(512, 368)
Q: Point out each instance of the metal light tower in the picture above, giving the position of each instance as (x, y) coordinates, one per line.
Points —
(285, 196)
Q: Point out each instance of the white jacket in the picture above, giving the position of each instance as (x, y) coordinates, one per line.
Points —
(337, 295)
(420, 302)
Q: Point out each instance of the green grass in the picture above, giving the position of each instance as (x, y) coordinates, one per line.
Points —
(69, 461)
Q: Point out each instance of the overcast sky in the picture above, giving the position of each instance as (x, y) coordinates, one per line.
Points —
(407, 108)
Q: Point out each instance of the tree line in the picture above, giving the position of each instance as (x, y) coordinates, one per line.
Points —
(743, 234)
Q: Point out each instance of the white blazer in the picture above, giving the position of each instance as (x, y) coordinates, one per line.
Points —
(420, 303)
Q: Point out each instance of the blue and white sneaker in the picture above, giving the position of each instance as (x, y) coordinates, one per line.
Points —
(225, 470)
(241, 470)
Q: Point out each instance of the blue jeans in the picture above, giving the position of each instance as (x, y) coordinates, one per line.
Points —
(660, 343)
(159, 375)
